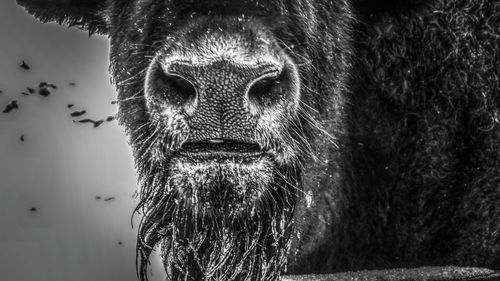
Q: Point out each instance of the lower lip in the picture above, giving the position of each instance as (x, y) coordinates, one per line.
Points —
(222, 154)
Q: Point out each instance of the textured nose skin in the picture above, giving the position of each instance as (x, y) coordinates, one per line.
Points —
(222, 107)
(235, 85)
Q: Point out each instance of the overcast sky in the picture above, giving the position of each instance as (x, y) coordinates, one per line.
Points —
(52, 227)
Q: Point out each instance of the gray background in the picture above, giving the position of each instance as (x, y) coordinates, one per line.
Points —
(62, 166)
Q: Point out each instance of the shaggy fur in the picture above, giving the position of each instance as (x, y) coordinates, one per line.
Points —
(399, 143)
(432, 83)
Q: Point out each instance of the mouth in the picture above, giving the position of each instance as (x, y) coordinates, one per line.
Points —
(221, 149)
(221, 176)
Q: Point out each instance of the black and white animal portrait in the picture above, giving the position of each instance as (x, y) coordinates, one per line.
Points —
(292, 137)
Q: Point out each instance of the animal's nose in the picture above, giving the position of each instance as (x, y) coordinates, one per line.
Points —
(223, 83)
(223, 98)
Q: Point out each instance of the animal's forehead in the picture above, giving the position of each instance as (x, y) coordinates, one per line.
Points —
(186, 10)
(214, 7)
(200, 44)
(149, 21)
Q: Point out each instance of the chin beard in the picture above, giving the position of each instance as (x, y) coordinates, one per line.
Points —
(217, 220)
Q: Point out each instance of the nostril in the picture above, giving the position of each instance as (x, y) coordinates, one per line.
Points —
(266, 90)
(181, 86)
(175, 88)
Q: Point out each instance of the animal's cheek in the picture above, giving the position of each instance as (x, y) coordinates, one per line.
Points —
(274, 131)
(170, 125)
